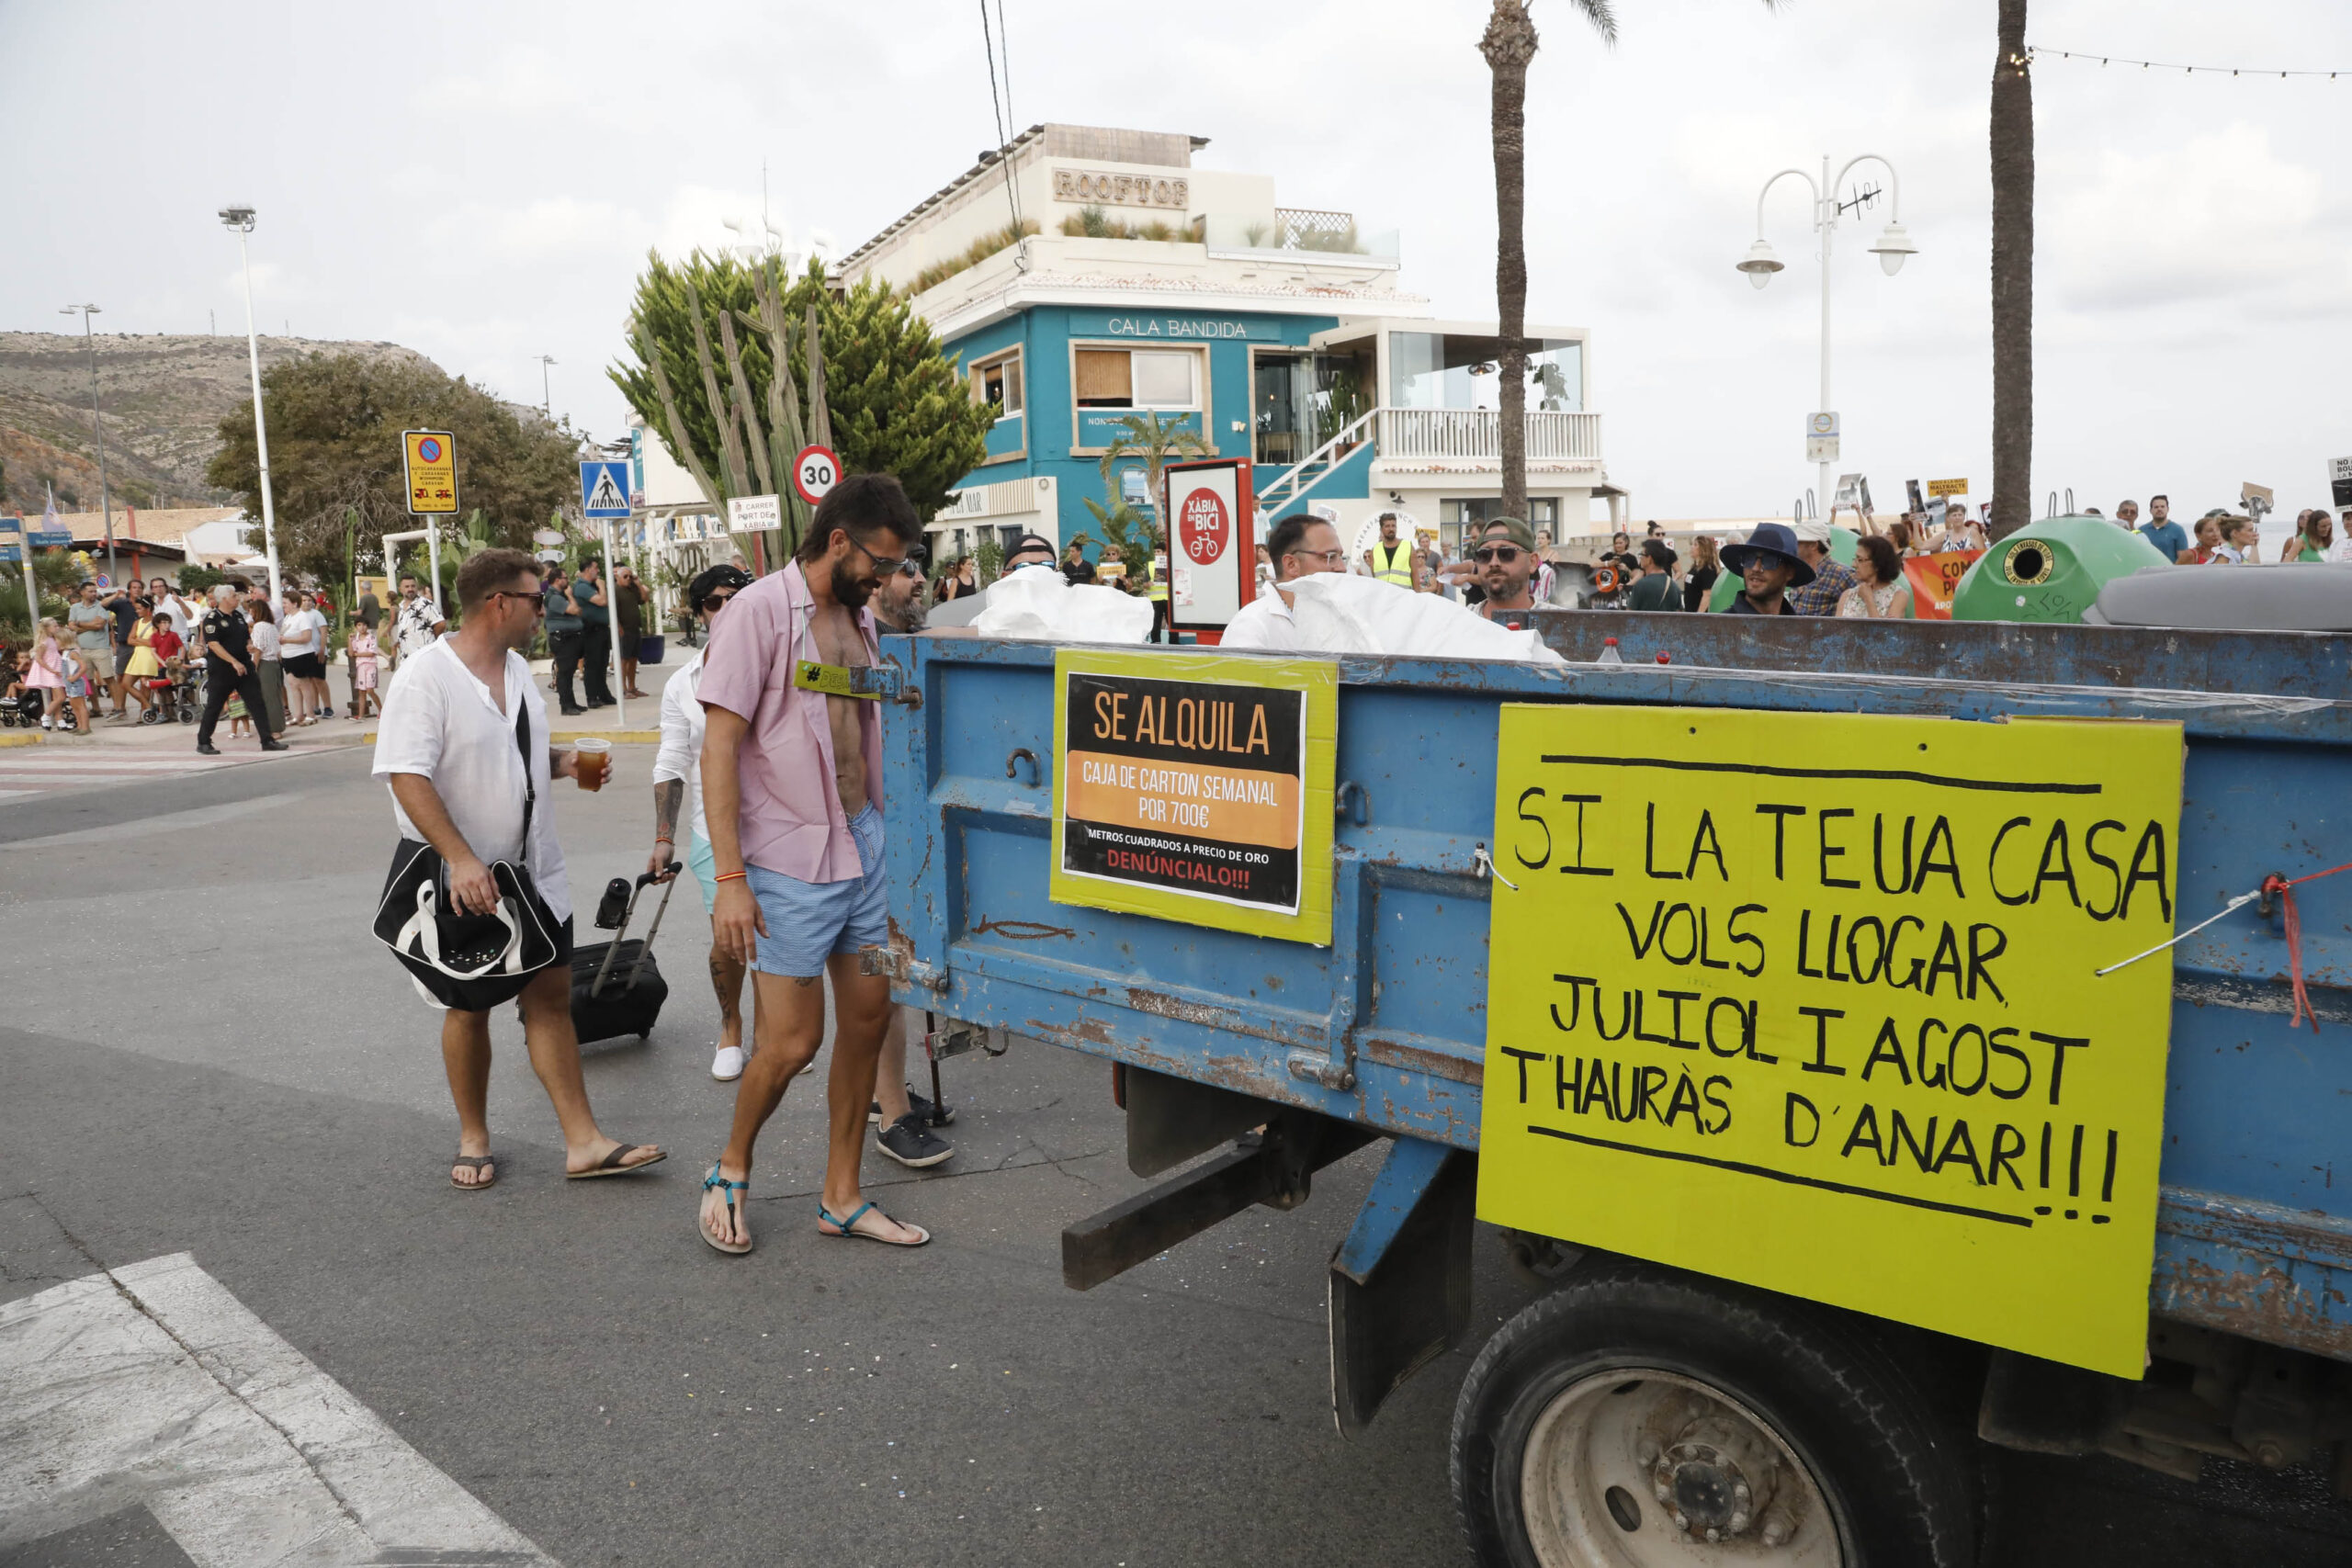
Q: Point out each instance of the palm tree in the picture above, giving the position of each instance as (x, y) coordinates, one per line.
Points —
(2012, 149)
(1509, 44)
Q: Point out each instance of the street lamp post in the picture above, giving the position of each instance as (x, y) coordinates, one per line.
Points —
(1893, 244)
(106, 504)
(240, 220)
(547, 399)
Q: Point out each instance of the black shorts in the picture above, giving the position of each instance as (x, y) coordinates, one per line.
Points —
(305, 667)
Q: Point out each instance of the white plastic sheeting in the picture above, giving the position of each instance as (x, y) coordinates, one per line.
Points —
(1039, 604)
(1338, 614)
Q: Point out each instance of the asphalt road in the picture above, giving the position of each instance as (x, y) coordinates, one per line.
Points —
(202, 1051)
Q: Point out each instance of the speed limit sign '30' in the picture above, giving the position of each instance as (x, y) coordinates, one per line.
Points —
(814, 472)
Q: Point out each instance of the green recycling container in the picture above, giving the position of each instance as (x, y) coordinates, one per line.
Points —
(2050, 570)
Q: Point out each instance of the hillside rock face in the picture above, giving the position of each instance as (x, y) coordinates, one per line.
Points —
(162, 397)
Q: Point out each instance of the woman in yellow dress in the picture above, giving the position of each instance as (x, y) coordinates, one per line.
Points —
(144, 666)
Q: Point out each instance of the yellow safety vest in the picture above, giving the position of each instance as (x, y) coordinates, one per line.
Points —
(1386, 560)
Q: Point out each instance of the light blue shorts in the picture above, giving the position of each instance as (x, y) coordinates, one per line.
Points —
(809, 921)
(699, 862)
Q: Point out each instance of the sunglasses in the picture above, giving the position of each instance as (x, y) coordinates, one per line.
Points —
(887, 566)
(1505, 554)
(538, 605)
(717, 600)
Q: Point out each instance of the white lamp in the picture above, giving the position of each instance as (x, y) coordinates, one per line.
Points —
(1760, 263)
(1892, 247)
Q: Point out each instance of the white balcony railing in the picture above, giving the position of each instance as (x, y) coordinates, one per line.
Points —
(1476, 435)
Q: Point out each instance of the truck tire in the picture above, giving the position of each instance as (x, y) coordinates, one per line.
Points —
(1617, 1422)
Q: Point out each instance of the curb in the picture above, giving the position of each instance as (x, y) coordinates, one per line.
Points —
(619, 736)
(19, 737)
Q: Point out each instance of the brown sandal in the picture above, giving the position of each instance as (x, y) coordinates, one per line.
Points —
(476, 1163)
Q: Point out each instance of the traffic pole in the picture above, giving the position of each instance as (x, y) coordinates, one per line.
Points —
(613, 628)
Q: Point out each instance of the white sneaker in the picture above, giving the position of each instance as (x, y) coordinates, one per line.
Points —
(728, 1065)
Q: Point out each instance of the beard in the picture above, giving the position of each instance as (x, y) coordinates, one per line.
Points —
(852, 592)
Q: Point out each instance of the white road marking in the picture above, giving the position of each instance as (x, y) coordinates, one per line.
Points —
(15, 762)
(152, 1384)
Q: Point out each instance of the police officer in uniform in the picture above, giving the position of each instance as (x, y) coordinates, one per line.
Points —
(230, 671)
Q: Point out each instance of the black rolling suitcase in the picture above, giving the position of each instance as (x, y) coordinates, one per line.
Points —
(616, 987)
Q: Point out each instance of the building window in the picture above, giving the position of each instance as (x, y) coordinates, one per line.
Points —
(1447, 370)
(997, 380)
(1138, 378)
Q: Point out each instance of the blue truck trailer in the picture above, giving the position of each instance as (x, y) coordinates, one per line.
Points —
(1713, 1375)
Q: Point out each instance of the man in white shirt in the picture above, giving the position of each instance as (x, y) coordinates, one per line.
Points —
(677, 782)
(1301, 546)
(463, 746)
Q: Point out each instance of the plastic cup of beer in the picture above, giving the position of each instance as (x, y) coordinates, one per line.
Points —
(590, 758)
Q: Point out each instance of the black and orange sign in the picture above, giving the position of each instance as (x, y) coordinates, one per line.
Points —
(1196, 787)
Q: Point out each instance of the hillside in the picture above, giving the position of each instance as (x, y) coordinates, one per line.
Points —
(163, 397)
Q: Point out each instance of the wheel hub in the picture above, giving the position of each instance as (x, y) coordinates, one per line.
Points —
(1713, 1475)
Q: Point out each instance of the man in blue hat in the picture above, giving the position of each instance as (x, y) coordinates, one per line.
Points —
(1769, 565)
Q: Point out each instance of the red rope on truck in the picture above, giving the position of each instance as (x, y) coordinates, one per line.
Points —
(2284, 887)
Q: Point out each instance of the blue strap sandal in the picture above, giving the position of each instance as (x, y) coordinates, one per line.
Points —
(730, 1191)
(843, 1230)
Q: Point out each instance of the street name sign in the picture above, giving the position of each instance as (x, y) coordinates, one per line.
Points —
(816, 472)
(754, 514)
(430, 458)
(604, 486)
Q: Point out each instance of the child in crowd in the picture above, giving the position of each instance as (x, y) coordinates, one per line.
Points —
(361, 645)
(233, 710)
(168, 646)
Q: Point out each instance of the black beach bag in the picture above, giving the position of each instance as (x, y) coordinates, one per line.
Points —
(469, 963)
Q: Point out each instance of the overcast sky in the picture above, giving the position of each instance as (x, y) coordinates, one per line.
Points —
(482, 181)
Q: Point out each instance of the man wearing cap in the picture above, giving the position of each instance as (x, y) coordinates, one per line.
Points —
(1829, 581)
(1506, 561)
(1300, 546)
(1769, 565)
(1034, 549)
(1391, 559)
(1655, 588)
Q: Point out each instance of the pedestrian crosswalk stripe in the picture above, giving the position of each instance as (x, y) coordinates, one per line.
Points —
(152, 1384)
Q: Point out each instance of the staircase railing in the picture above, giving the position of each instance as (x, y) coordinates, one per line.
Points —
(1286, 490)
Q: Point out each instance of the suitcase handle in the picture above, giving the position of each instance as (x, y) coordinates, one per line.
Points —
(612, 949)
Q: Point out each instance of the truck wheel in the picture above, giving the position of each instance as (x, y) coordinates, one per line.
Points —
(1641, 1417)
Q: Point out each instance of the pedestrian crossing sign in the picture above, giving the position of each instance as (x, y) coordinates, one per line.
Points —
(603, 488)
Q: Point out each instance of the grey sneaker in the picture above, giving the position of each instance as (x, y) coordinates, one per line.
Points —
(911, 1143)
(933, 1115)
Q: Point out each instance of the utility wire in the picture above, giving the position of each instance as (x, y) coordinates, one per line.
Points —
(2036, 53)
(1002, 110)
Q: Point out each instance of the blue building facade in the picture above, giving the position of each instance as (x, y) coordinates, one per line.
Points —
(1065, 375)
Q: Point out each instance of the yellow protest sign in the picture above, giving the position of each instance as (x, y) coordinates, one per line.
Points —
(1942, 489)
(1808, 1000)
(1196, 787)
(430, 459)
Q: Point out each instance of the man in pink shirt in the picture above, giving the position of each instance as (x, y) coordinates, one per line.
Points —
(792, 790)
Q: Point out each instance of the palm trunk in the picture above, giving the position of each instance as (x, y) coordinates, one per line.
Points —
(2012, 149)
(1508, 45)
